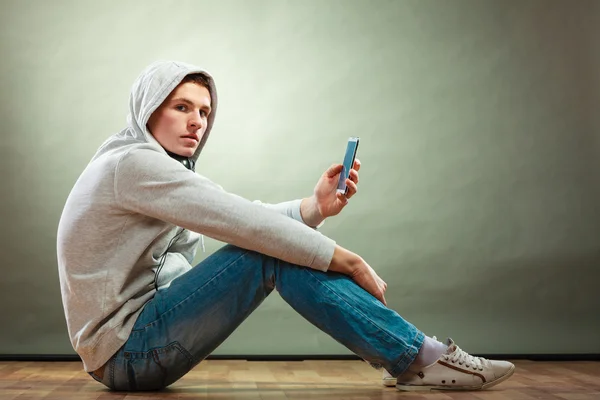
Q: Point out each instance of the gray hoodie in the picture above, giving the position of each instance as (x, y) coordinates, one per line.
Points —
(133, 220)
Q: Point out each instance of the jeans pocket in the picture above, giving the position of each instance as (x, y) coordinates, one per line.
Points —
(157, 368)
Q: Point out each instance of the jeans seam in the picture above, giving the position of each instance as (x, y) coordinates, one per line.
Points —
(350, 306)
(409, 353)
(147, 354)
(111, 370)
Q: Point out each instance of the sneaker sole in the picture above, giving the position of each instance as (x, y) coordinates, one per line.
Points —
(389, 382)
(416, 388)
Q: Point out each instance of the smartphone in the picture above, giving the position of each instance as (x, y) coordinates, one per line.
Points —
(349, 157)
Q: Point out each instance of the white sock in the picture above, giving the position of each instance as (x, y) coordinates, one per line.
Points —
(430, 352)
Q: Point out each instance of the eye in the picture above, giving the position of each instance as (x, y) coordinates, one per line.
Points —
(181, 107)
(203, 113)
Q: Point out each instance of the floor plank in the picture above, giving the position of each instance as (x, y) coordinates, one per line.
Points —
(233, 379)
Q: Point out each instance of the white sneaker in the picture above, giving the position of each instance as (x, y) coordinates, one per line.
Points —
(388, 380)
(455, 370)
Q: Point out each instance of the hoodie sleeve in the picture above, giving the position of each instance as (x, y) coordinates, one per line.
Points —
(289, 208)
(148, 183)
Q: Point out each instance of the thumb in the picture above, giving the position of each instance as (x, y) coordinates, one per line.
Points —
(334, 170)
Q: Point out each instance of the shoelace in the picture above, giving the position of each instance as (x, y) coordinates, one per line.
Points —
(464, 358)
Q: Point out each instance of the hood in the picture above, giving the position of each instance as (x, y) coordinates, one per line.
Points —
(149, 90)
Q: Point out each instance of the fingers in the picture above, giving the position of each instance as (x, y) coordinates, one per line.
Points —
(383, 289)
(366, 278)
(334, 170)
(353, 176)
(381, 297)
(378, 294)
(341, 197)
(352, 188)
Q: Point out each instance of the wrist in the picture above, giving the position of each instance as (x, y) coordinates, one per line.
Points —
(344, 261)
(309, 211)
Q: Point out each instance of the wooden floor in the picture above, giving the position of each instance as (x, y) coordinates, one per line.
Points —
(298, 380)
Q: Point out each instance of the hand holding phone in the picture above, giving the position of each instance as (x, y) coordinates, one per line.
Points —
(348, 163)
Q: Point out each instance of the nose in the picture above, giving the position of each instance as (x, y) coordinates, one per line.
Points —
(195, 121)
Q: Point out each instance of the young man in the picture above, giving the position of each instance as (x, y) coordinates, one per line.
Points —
(141, 317)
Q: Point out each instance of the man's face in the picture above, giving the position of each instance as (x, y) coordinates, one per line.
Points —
(180, 121)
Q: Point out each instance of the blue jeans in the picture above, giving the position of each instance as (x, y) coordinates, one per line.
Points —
(182, 324)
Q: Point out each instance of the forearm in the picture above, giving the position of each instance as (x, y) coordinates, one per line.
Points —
(344, 261)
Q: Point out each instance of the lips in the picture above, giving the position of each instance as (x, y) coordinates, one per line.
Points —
(194, 137)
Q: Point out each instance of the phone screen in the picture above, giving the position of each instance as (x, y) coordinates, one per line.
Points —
(348, 163)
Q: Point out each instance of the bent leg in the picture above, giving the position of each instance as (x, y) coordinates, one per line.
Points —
(338, 306)
(185, 322)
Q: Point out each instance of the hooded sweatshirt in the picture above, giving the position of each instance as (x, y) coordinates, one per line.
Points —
(132, 223)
